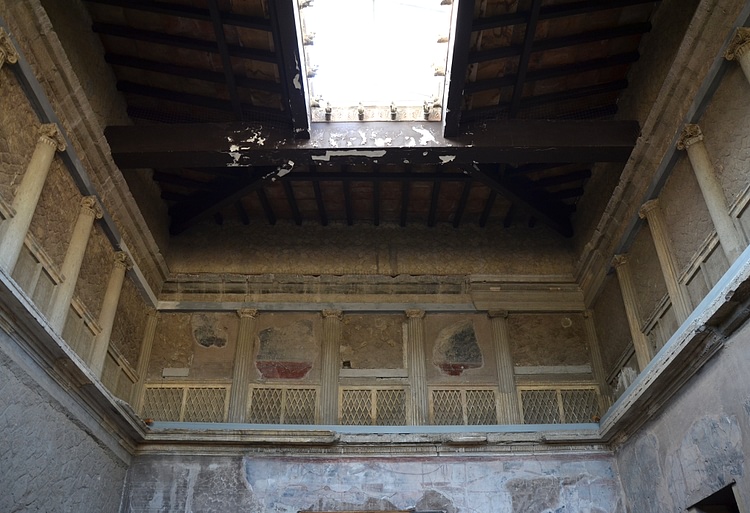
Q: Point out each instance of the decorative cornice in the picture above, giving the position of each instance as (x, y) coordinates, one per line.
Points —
(691, 134)
(738, 46)
(49, 133)
(647, 208)
(619, 260)
(8, 52)
(90, 206)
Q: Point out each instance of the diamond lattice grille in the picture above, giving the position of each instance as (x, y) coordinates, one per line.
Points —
(481, 408)
(162, 403)
(540, 407)
(356, 406)
(300, 406)
(447, 408)
(391, 408)
(265, 406)
(579, 405)
(205, 404)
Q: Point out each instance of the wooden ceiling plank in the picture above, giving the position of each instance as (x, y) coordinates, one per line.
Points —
(226, 62)
(291, 68)
(188, 43)
(187, 72)
(555, 11)
(562, 42)
(557, 72)
(523, 62)
(461, 208)
(185, 11)
(253, 144)
(458, 62)
(536, 205)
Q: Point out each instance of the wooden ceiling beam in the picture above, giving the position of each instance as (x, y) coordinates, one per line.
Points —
(185, 11)
(456, 70)
(523, 62)
(504, 52)
(376, 197)
(255, 144)
(405, 190)
(459, 213)
(188, 43)
(226, 62)
(318, 197)
(549, 12)
(266, 205)
(432, 216)
(293, 206)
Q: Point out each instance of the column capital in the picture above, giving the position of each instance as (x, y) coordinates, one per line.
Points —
(90, 206)
(8, 52)
(243, 313)
(647, 208)
(690, 135)
(495, 314)
(123, 261)
(739, 45)
(619, 260)
(336, 314)
(415, 314)
(49, 133)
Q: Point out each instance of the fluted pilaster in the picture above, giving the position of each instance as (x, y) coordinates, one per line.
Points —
(510, 412)
(415, 358)
(144, 358)
(243, 364)
(641, 344)
(329, 379)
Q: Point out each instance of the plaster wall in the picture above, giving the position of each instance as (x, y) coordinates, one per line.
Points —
(548, 339)
(579, 482)
(612, 328)
(130, 322)
(50, 462)
(648, 279)
(698, 443)
(373, 341)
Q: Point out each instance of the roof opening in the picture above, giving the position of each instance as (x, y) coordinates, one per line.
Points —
(375, 59)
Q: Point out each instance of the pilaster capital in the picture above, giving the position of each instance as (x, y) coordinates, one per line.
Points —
(415, 314)
(619, 260)
(332, 314)
(90, 206)
(739, 45)
(247, 313)
(123, 261)
(497, 314)
(647, 208)
(49, 133)
(8, 52)
(691, 134)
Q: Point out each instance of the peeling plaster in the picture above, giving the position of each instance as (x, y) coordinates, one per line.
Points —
(426, 138)
(350, 153)
(444, 159)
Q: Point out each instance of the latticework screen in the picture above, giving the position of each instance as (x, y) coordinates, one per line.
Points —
(464, 406)
(368, 406)
(559, 405)
(186, 403)
(282, 405)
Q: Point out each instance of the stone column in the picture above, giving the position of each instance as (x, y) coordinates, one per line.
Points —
(107, 313)
(739, 50)
(63, 295)
(677, 295)
(416, 365)
(13, 230)
(243, 365)
(597, 367)
(144, 358)
(331, 362)
(8, 52)
(641, 344)
(510, 412)
(692, 141)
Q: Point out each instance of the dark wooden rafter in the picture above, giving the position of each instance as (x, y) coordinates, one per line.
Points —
(509, 215)
(226, 62)
(432, 216)
(291, 69)
(503, 52)
(242, 212)
(256, 144)
(376, 196)
(185, 11)
(200, 101)
(575, 192)
(489, 203)
(266, 205)
(458, 62)
(293, 206)
(188, 43)
(462, 204)
(347, 189)
(187, 72)
(187, 215)
(318, 197)
(525, 57)
(538, 205)
(566, 178)
(560, 71)
(405, 190)
(548, 12)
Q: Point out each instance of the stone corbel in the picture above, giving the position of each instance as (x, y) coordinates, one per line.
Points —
(8, 52)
